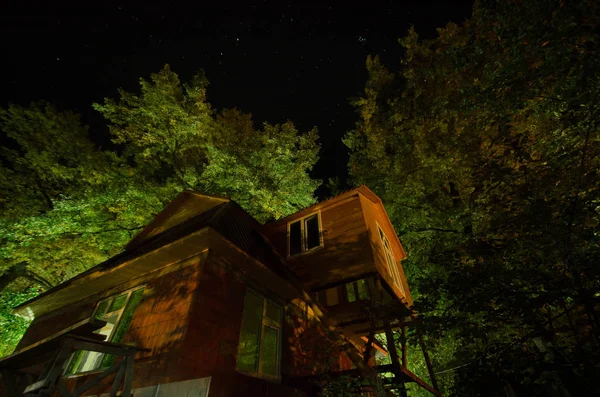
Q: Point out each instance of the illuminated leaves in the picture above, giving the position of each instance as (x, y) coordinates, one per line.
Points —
(170, 131)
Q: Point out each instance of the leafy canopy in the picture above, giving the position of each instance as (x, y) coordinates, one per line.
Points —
(171, 132)
(485, 149)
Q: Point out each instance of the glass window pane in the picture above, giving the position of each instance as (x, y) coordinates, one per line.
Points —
(311, 227)
(295, 238)
(74, 363)
(250, 334)
(273, 312)
(363, 289)
(90, 362)
(350, 294)
(118, 303)
(123, 325)
(269, 351)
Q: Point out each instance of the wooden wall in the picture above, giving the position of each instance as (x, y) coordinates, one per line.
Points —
(346, 252)
(375, 215)
(307, 350)
(190, 319)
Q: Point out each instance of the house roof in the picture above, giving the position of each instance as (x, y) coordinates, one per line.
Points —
(186, 205)
(362, 189)
(189, 213)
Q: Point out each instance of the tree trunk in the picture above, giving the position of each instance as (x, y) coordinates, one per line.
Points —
(21, 270)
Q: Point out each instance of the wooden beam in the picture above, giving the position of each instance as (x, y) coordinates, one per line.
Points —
(116, 381)
(97, 379)
(376, 345)
(55, 370)
(82, 343)
(391, 344)
(420, 382)
(427, 360)
(47, 345)
(128, 376)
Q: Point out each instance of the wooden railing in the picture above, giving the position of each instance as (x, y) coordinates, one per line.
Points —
(55, 352)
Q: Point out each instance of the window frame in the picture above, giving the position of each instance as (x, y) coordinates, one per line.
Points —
(391, 261)
(86, 353)
(265, 322)
(303, 234)
(356, 289)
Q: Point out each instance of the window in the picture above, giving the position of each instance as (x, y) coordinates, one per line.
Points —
(259, 351)
(304, 234)
(117, 311)
(391, 261)
(357, 290)
(345, 293)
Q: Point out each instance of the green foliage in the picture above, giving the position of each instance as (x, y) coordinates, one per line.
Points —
(170, 132)
(485, 149)
(13, 327)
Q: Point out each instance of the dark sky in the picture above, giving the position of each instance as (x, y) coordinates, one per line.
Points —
(277, 61)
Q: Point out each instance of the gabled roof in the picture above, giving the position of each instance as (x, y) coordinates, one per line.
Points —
(186, 205)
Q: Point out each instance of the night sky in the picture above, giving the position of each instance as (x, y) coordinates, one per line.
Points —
(301, 62)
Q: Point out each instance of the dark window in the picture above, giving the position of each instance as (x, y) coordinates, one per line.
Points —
(357, 290)
(250, 335)
(295, 238)
(260, 336)
(304, 234)
(311, 227)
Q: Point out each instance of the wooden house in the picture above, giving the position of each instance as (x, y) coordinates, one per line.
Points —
(206, 301)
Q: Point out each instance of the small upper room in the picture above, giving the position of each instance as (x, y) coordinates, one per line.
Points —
(336, 244)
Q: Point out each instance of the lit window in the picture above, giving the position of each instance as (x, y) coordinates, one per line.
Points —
(260, 337)
(391, 261)
(117, 311)
(304, 234)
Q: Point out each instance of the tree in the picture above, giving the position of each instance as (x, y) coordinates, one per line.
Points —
(484, 148)
(171, 133)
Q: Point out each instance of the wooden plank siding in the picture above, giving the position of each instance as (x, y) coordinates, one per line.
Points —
(190, 320)
(374, 215)
(346, 251)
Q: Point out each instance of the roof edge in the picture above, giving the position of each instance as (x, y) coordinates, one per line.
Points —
(362, 189)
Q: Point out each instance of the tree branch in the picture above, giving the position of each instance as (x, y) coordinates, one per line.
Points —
(434, 229)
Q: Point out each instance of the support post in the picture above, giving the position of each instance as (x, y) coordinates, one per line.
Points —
(403, 341)
(427, 360)
(369, 346)
(391, 345)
